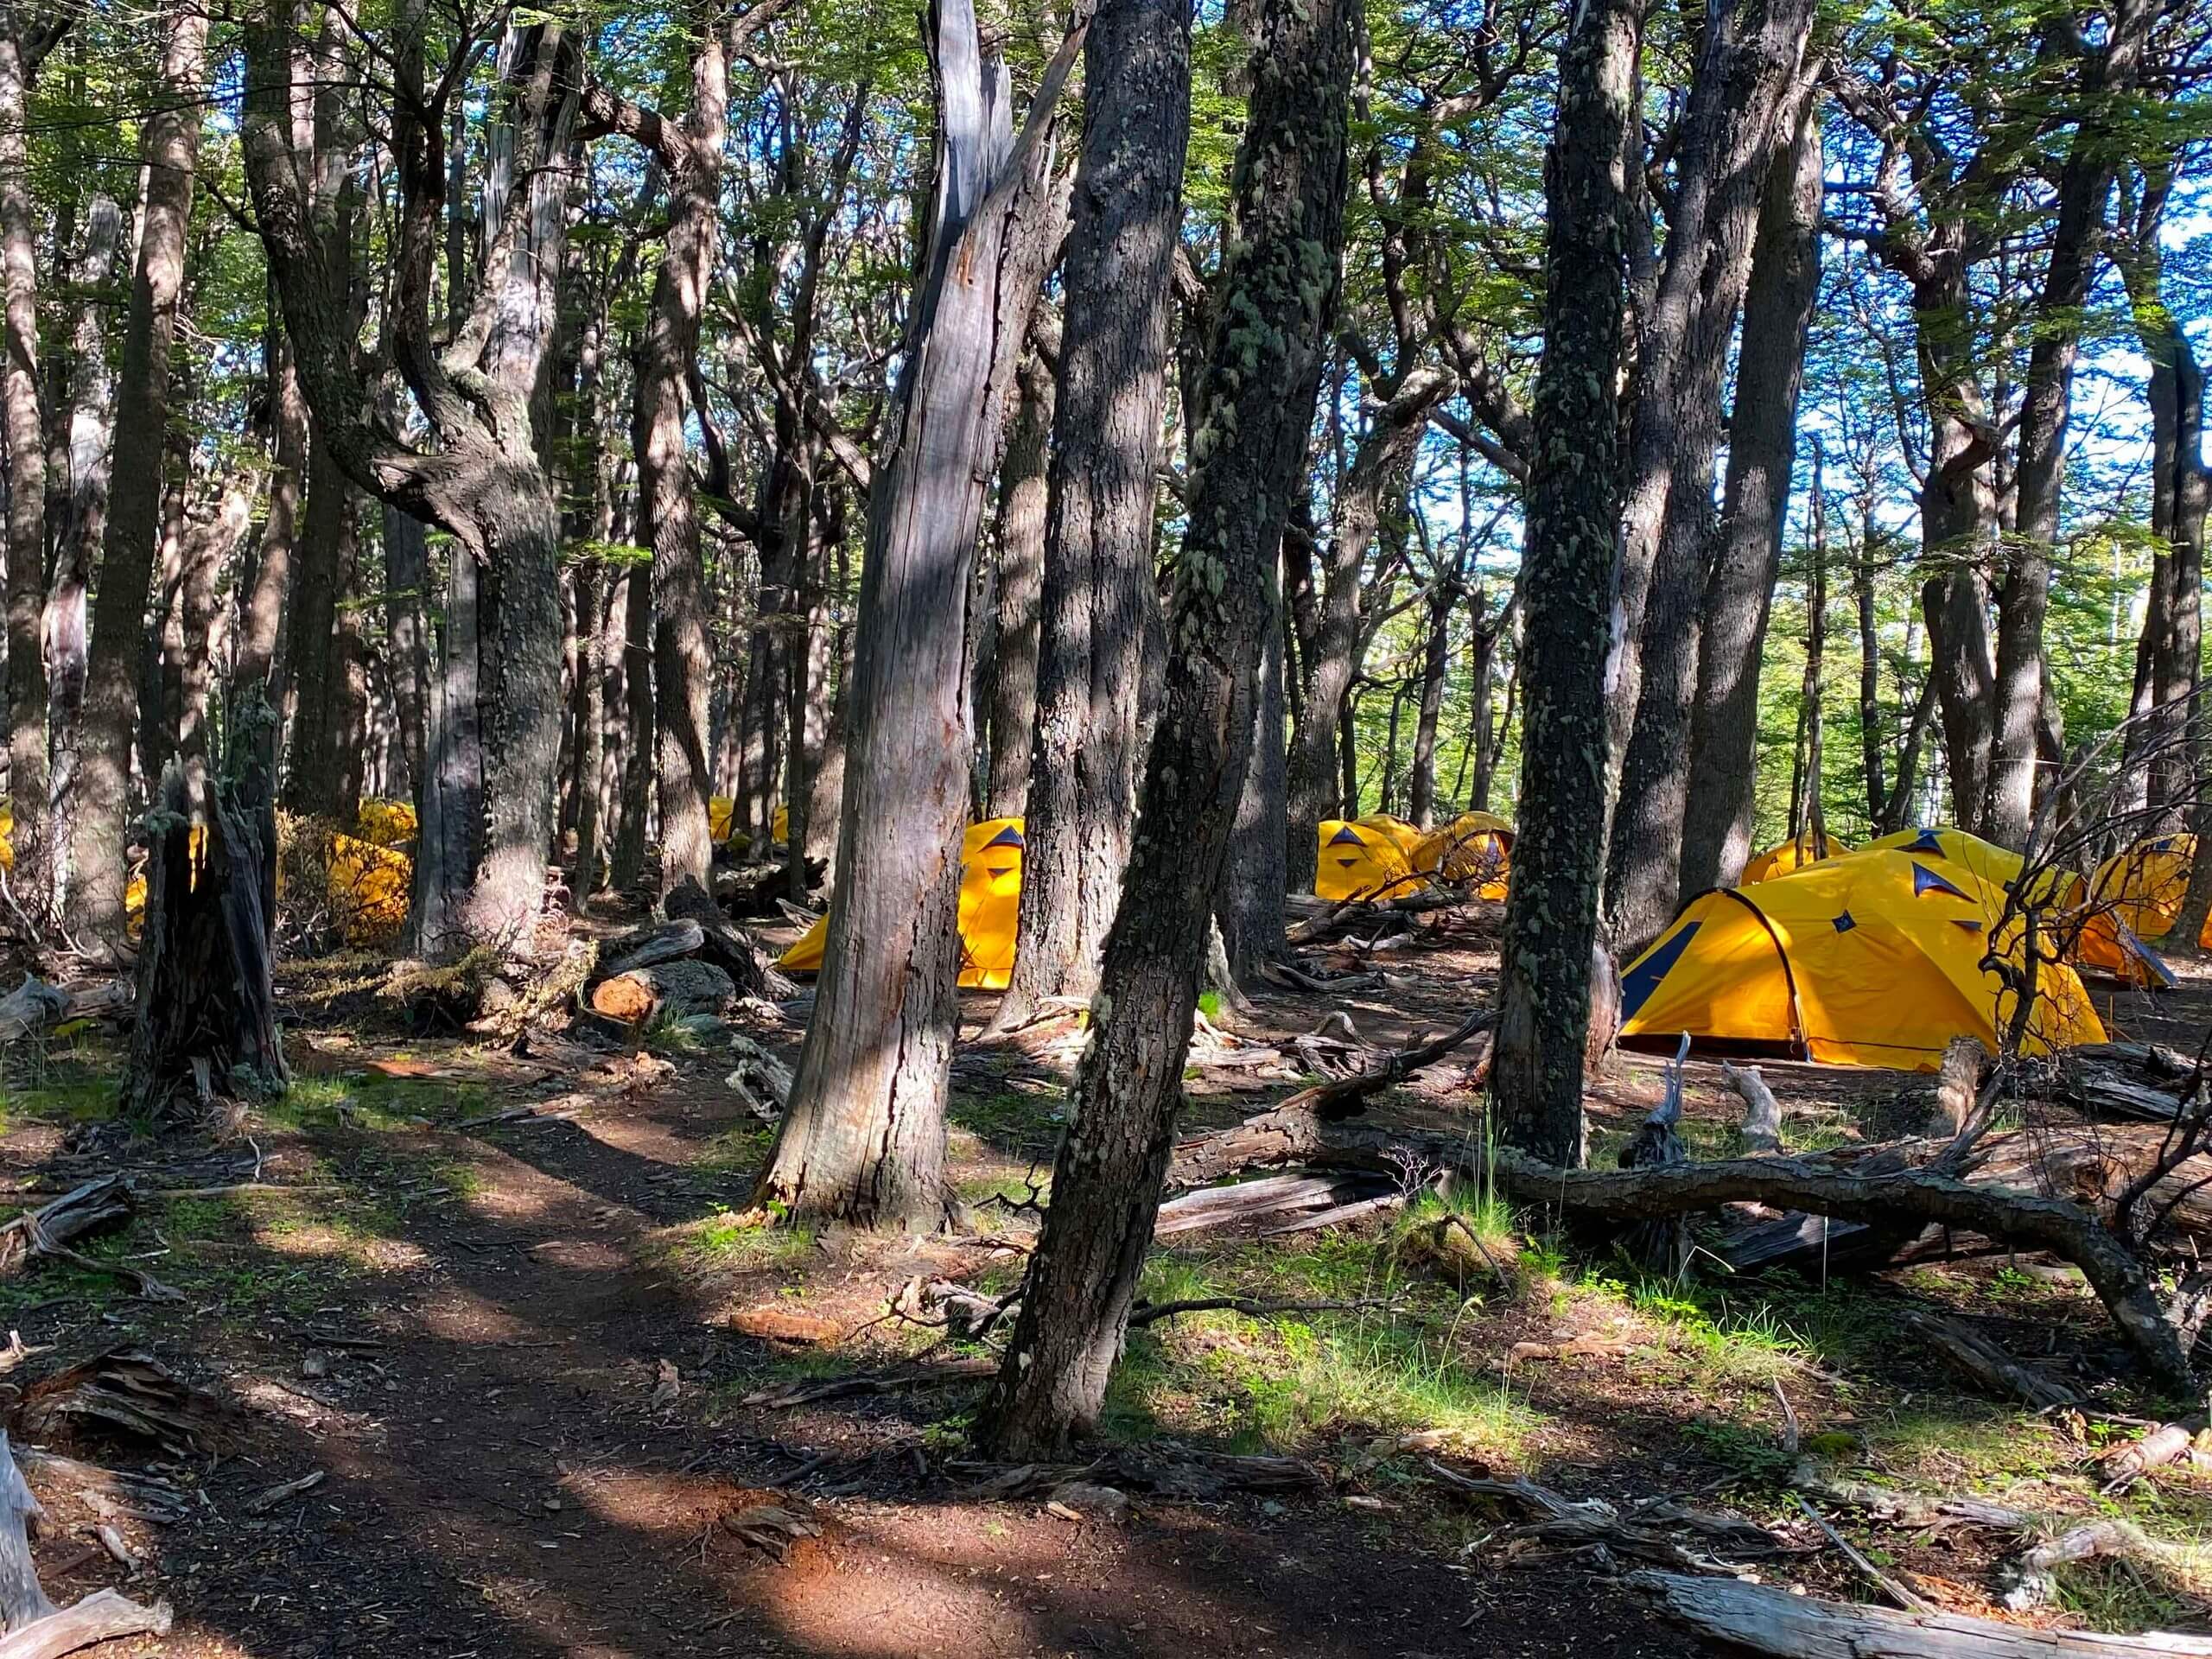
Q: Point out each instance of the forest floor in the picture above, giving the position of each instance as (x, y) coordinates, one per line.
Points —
(527, 1358)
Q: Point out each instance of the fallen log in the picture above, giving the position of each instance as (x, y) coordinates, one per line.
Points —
(649, 947)
(1642, 1534)
(1983, 1362)
(31, 1008)
(1906, 1508)
(1346, 1096)
(2064, 1227)
(2122, 1467)
(1278, 1195)
(2031, 1580)
(1772, 1619)
(670, 989)
(751, 966)
(97, 1205)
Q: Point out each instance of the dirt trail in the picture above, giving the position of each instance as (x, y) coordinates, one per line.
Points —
(503, 1477)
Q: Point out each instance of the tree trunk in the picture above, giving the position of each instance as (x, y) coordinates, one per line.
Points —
(1567, 570)
(692, 157)
(591, 731)
(1254, 404)
(406, 584)
(630, 826)
(256, 691)
(1718, 805)
(1378, 476)
(2024, 596)
(863, 1138)
(1022, 496)
(1729, 144)
(310, 787)
(1112, 391)
(1435, 666)
(84, 527)
(171, 145)
(1252, 913)
(807, 695)
(1746, 66)
(1871, 744)
(1814, 816)
(27, 485)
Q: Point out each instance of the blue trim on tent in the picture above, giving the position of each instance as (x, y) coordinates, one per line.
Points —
(1926, 881)
(1008, 836)
(1844, 922)
(1642, 979)
(1347, 834)
(1926, 841)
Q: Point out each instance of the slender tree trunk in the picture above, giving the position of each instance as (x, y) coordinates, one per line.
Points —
(83, 530)
(591, 732)
(1111, 396)
(1255, 405)
(1871, 743)
(1566, 574)
(691, 155)
(1815, 816)
(310, 786)
(1252, 914)
(25, 428)
(406, 582)
(1747, 63)
(1747, 120)
(630, 827)
(1022, 495)
(257, 690)
(1718, 800)
(2024, 597)
(862, 1138)
(171, 140)
(1435, 667)
(1376, 479)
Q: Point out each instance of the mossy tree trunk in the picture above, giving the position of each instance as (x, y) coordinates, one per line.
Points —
(1255, 404)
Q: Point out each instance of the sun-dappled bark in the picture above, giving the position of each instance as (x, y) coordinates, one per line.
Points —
(1254, 403)
(1763, 444)
(1018, 590)
(171, 142)
(1110, 395)
(1567, 562)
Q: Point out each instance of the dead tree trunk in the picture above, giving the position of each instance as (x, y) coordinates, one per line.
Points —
(1254, 404)
(207, 1024)
(863, 1138)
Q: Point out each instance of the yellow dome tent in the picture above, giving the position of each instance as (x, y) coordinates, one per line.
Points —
(7, 836)
(991, 900)
(1358, 859)
(1793, 855)
(1984, 859)
(2140, 890)
(1473, 845)
(1874, 959)
(721, 821)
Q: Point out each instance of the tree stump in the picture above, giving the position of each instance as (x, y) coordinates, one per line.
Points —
(207, 1024)
(673, 988)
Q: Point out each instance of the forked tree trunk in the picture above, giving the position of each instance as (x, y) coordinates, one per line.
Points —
(1254, 404)
(1739, 120)
(1566, 573)
(1020, 581)
(1098, 538)
(1718, 803)
(862, 1138)
(172, 151)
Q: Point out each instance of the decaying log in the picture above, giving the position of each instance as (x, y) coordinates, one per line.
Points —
(104, 1616)
(207, 1018)
(105, 1202)
(2031, 1579)
(1647, 1535)
(648, 947)
(760, 1079)
(1810, 1184)
(2122, 1467)
(672, 989)
(1771, 1619)
(1266, 1199)
(126, 1389)
(36, 1627)
(1762, 1130)
(1662, 1244)
(1980, 1361)
(1345, 1096)
(31, 1007)
(750, 965)
(1905, 1509)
